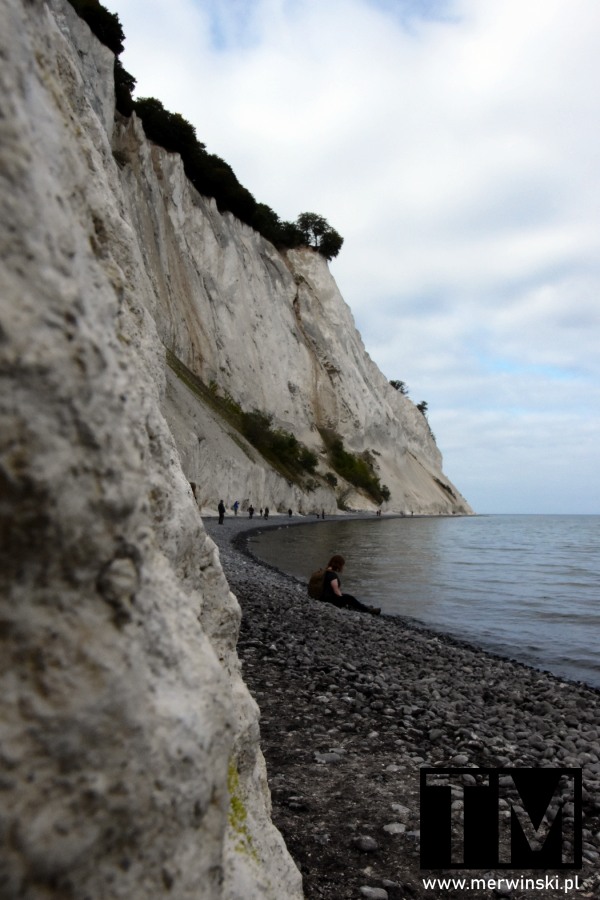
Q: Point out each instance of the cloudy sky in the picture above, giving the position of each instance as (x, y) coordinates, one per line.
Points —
(455, 144)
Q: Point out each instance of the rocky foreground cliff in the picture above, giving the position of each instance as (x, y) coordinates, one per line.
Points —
(130, 764)
(134, 318)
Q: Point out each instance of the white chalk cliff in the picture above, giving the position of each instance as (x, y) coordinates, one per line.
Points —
(271, 331)
(130, 764)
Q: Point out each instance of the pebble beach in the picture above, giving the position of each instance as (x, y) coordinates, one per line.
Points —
(353, 706)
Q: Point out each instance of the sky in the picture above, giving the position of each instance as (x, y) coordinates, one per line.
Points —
(455, 145)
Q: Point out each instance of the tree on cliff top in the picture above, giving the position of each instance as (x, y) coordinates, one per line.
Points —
(210, 175)
(105, 25)
(319, 234)
(108, 29)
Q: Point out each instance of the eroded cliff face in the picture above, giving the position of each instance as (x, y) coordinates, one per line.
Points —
(130, 763)
(272, 332)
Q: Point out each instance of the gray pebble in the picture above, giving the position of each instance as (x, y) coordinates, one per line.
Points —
(394, 828)
(366, 844)
(327, 757)
(374, 893)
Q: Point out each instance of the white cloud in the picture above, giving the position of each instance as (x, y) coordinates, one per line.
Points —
(544, 460)
(458, 156)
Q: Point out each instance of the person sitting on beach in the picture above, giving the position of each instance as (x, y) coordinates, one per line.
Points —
(332, 588)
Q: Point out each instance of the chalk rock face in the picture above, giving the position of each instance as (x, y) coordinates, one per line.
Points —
(130, 764)
(272, 332)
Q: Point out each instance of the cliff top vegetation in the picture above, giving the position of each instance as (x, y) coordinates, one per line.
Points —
(210, 175)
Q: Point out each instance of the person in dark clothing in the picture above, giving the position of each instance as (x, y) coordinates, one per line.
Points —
(332, 589)
(250, 511)
(221, 508)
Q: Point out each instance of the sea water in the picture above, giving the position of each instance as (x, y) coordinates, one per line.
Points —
(526, 587)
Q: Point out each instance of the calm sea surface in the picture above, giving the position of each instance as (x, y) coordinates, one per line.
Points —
(527, 587)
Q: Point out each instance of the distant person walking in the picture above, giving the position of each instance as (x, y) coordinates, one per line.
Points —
(332, 588)
(266, 512)
(250, 511)
(235, 507)
(221, 508)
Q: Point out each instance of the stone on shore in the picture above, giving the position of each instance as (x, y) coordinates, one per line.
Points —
(316, 671)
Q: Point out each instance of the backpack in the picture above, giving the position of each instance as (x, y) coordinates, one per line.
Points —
(315, 584)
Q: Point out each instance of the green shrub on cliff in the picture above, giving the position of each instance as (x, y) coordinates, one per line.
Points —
(213, 177)
(357, 470)
(105, 25)
(318, 233)
(108, 29)
(277, 445)
(210, 175)
(124, 88)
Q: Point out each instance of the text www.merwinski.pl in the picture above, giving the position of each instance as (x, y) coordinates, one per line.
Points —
(549, 882)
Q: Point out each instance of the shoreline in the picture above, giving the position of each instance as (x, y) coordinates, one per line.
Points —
(352, 706)
(244, 531)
